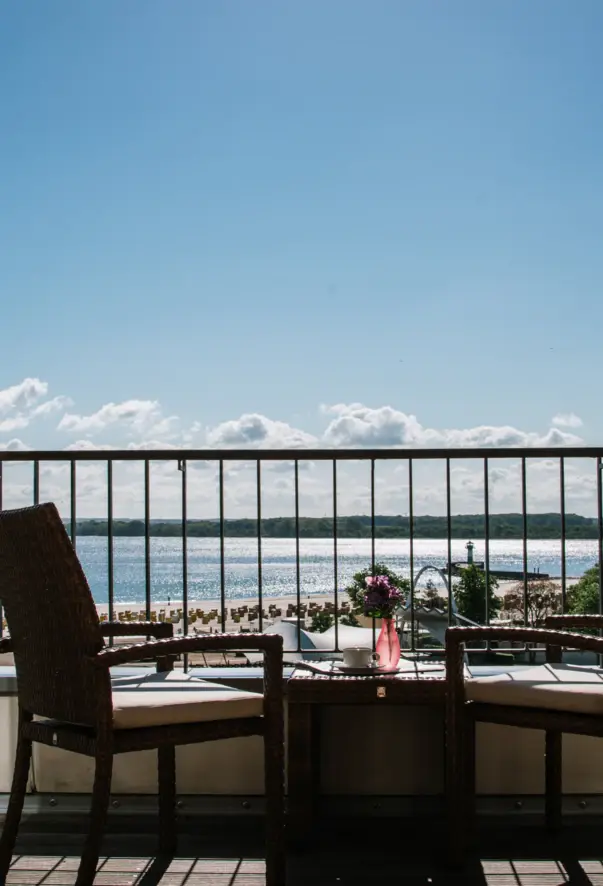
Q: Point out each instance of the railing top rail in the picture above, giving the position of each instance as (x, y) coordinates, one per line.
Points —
(253, 455)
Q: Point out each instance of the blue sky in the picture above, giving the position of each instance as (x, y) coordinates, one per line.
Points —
(224, 209)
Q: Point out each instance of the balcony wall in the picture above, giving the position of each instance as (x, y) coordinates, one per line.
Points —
(368, 751)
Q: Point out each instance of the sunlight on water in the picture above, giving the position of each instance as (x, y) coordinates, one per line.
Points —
(279, 565)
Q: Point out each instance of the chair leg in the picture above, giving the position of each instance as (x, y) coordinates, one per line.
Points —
(101, 794)
(166, 755)
(470, 781)
(553, 780)
(274, 769)
(457, 785)
(15, 803)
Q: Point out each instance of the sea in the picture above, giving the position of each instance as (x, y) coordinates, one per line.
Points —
(319, 571)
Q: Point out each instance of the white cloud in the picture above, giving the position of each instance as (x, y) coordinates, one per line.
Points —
(358, 425)
(23, 395)
(141, 425)
(138, 415)
(364, 426)
(49, 407)
(188, 437)
(153, 444)
(258, 432)
(17, 404)
(89, 446)
(86, 446)
(165, 427)
(316, 490)
(13, 424)
(567, 420)
(15, 445)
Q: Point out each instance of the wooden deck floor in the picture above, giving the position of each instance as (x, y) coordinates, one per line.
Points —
(369, 852)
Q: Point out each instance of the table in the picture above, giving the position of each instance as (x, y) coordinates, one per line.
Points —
(308, 691)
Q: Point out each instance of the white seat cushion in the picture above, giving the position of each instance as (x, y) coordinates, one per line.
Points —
(175, 697)
(559, 687)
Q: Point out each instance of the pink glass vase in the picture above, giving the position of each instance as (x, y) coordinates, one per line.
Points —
(388, 645)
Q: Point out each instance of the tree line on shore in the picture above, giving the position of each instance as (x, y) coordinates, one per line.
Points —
(462, 526)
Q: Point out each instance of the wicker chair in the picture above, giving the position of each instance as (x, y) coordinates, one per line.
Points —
(68, 699)
(554, 697)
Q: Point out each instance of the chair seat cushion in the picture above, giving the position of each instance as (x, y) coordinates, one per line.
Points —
(560, 687)
(175, 697)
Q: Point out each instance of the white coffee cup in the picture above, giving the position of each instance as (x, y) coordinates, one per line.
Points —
(360, 657)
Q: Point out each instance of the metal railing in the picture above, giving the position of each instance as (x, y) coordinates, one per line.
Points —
(412, 458)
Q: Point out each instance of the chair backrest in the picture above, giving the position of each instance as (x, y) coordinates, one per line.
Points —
(51, 616)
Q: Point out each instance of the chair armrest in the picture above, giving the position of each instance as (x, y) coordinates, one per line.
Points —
(456, 637)
(270, 644)
(5, 645)
(160, 630)
(574, 621)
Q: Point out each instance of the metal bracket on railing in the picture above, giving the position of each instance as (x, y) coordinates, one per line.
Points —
(182, 465)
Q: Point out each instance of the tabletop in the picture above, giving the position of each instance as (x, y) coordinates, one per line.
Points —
(414, 683)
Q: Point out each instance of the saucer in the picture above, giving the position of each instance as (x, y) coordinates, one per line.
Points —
(365, 671)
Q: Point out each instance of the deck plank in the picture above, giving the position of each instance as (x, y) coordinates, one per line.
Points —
(354, 855)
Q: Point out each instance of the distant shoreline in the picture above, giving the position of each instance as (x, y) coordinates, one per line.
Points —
(541, 527)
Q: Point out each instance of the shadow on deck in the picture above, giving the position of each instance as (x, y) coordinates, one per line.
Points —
(229, 853)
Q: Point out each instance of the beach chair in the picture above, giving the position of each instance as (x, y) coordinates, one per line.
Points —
(69, 698)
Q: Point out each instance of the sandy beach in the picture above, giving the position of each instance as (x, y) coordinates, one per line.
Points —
(205, 615)
(241, 614)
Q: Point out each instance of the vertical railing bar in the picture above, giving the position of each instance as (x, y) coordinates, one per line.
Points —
(373, 540)
(563, 534)
(600, 532)
(487, 538)
(36, 501)
(1, 608)
(222, 548)
(147, 537)
(182, 467)
(335, 555)
(73, 515)
(110, 563)
(373, 514)
(259, 521)
(449, 532)
(524, 516)
(36, 482)
(411, 532)
(600, 542)
(297, 555)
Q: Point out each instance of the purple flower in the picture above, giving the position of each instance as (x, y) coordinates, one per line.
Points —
(382, 597)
